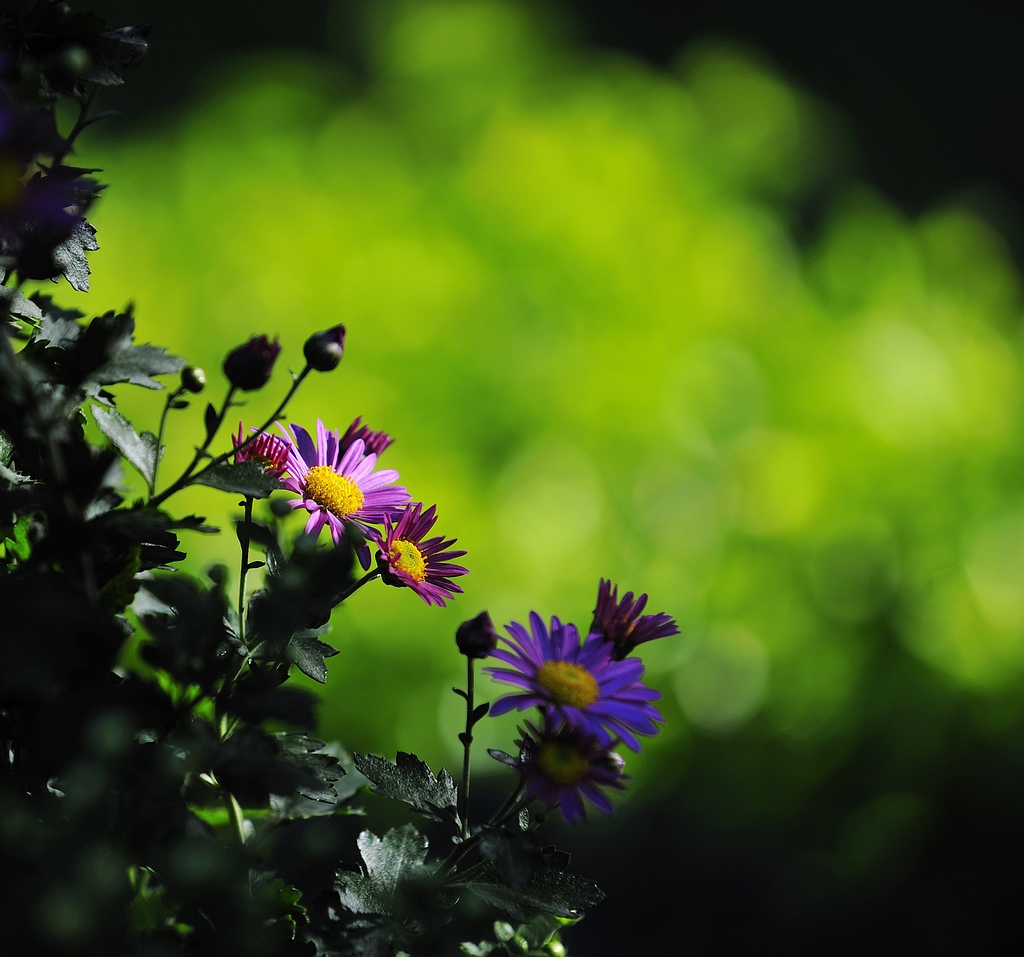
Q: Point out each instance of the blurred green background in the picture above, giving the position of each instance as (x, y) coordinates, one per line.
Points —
(579, 296)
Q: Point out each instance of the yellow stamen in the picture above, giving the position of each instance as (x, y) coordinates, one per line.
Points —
(568, 683)
(407, 558)
(562, 763)
(337, 493)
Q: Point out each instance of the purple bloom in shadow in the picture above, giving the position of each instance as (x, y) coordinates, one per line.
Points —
(576, 682)
(564, 765)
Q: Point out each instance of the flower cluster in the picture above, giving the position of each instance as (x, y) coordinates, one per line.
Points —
(590, 697)
(337, 481)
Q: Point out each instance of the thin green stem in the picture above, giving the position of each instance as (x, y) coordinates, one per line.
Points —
(187, 478)
(243, 570)
(171, 398)
(515, 803)
(80, 124)
(356, 585)
(467, 744)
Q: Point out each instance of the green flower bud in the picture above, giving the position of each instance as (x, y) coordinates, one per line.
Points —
(193, 379)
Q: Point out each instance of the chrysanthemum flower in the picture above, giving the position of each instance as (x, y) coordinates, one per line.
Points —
(270, 451)
(576, 682)
(375, 442)
(340, 490)
(564, 765)
(407, 558)
(623, 622)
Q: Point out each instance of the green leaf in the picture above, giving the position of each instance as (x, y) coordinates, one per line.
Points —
(245, 478)
(550, 891)
(307, 653)
(411, 781)
(139, 450)
(69, 256)
(397, 859)
(14, 302)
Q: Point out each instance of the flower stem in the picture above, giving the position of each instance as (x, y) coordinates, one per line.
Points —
(187, 478)
(243, 570)
(467, 743)
(211, 431)
(356, 585)
(171, 398)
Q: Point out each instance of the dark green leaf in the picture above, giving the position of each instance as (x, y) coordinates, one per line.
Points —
(245, 478)
(504, 758)
(307, 653)
(397, 859)
(139, 450)
(409, 780)
(13, 302)
(320, 767)
(550, 891)
(69, 256)
(210, 420)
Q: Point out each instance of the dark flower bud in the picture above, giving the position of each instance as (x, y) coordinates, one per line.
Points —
(323, 350)
(193, 379)
(477, 638)
(248, 366)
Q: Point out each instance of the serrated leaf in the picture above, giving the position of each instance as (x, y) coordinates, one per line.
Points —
(307, 653)
(15, 303)
(69, 256)
(399, 857)
(320, 766)
(245, 478)
(410, 780)
(139, 450)
(104, 353)
(550, 891)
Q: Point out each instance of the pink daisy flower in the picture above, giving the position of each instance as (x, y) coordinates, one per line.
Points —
(270, 451)
(407, 558)
(342, 490)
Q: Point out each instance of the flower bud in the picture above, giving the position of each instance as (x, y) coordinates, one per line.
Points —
(323, 350)
(193, 379)
(248, 366)
(477, 638)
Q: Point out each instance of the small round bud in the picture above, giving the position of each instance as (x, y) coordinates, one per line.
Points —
(323, 350)
(193, 379)
(477, 638)
(248, 366)
(73, 61)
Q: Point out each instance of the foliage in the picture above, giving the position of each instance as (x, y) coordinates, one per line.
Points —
(159, 777)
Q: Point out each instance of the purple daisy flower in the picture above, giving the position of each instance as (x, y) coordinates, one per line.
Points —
(340, 489)
(575, 682)
(566, 765)
(407, 559)
(270, 451)
(622, 622)
(375, 442)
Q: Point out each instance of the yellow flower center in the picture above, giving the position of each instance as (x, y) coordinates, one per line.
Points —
(568, 683)
(562, 763)
(337, 493)
(407, 558)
